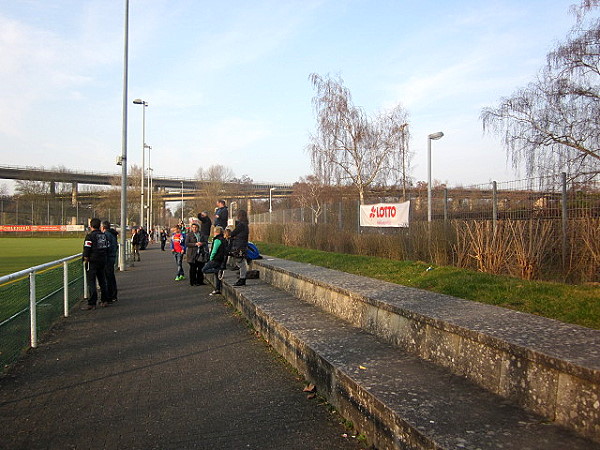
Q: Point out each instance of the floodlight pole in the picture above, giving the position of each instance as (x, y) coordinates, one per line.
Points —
(124, 144)
(431, 137)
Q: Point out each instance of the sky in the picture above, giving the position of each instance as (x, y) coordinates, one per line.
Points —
(228, 82)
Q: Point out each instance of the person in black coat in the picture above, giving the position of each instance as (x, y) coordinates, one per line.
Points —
(205, 224)
(196, 252)
(239, 245)
(95, 254)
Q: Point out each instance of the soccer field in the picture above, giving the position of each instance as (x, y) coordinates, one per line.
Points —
(20, 253)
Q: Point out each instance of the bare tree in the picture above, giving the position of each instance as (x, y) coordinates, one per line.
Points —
(212, 185)
(351, 148)
(553, 124)
(309, 192)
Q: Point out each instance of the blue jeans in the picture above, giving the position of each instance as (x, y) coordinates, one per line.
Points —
(179, 262)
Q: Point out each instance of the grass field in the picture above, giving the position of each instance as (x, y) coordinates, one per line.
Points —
(21, 253)
(568, 303)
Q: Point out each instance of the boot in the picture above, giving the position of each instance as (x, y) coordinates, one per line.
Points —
(240, 282)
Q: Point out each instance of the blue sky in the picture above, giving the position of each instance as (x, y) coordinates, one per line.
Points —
(227, 82)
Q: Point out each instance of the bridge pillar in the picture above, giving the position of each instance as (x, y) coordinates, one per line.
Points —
(249, 206)
(74, 193)
(52, 188)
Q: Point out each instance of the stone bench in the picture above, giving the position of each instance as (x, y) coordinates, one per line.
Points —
(412, 368)
(548, 367)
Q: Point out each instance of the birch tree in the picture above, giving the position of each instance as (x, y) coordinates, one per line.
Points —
(349, 147)
(553, 124)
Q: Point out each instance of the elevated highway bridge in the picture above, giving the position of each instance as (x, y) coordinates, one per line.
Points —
(170, 188)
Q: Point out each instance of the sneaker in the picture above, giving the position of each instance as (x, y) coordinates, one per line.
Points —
(178, 277)
(240, 282)
(215, 292)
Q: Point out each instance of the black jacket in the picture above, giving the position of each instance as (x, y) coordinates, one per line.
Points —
(221, 255)
(205, 224)
(239, 236)
(95, 247)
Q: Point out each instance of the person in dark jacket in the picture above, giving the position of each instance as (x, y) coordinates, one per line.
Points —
(196, 252)
(163, 239)
(239, 245)
(95, 250)
(221, 214)
(135, 244)
(218, 258)
(111, 259)
(205, 224)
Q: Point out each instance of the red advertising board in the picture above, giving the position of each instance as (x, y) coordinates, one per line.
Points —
(38, 228)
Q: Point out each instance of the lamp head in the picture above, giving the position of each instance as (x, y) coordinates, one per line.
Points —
(436, 136)
(139, 101)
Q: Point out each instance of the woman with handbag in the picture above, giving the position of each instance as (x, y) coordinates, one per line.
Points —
(196, 252)
(239, 245)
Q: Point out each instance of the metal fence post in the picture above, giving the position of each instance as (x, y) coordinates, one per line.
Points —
(445, 204)
(66, 288)
(85, 286)
(565, 221)
(494, 206)
(32, 310)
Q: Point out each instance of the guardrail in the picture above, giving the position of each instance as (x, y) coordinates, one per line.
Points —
(16, 299)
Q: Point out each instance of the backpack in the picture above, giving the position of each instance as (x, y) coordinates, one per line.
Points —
(252, 252)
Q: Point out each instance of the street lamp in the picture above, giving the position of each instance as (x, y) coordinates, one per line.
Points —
(182, 201)
(124, 142)
(270, 199)
(431, 137)
(139, 101)
(149, 194)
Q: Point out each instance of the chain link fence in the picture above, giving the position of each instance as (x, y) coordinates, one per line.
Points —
(44, 288)
(538, 228)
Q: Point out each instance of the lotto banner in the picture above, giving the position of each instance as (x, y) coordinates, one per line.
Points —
(385, 215)
(43, 228)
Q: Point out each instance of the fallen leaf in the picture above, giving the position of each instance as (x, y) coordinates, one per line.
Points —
(362, 367)
(310, 396)
(310, 388)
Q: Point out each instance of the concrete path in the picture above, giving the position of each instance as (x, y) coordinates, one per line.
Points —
(166, 367)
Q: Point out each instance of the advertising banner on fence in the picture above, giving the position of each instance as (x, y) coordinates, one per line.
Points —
(385, 215)
(43, 228)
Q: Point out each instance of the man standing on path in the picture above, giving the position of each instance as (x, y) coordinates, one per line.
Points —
(221, 214)
(111, 259)
(95, 250)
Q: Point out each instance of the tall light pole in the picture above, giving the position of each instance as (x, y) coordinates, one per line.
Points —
(150, 188)
(270, 199)
(139, 101)
(123, 158)
(148, 197)
(431, 137)
(182, 201)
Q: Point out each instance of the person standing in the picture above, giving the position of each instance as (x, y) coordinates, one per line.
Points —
(239, 245)
(218, 257)
(135, 244)
(221, 214)
(196, 252)
(163, 239)
(205, 224)
(178, 250)
(111, 260)
(95, 250)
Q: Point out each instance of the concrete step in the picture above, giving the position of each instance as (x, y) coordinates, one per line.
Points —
(545, 366)
(396, 399)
